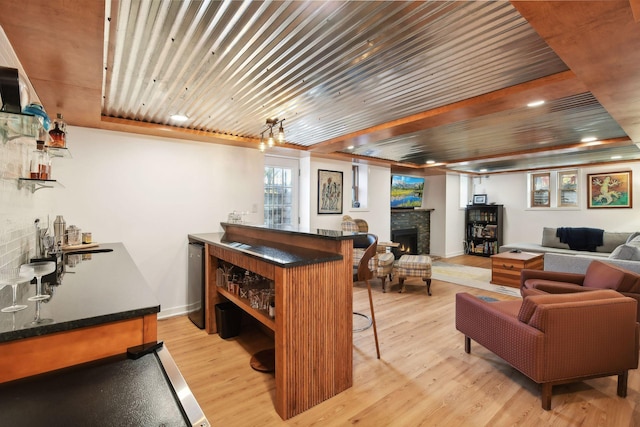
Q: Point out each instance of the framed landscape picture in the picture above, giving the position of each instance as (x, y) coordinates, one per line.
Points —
(329, 192)
(609, 190)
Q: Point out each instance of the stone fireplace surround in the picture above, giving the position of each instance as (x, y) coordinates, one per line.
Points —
(414, 218)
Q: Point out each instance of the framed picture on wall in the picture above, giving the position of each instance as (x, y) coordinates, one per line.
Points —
(329, 192)
(609, 190)
(479, 199)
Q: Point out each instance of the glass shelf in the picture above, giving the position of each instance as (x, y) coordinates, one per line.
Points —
(13, 125)
(38, 184)
(59, 152)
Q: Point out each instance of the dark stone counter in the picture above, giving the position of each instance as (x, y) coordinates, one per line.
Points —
(273, 253)
(93, 289)
(288, 229)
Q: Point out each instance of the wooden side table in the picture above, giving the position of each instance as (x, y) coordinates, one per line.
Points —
(506, 266)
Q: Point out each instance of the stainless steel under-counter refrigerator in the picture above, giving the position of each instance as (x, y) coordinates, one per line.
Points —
(195, 285)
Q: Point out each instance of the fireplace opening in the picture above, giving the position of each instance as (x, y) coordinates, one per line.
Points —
(407, 240)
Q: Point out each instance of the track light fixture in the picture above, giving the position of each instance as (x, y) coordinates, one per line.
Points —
(270, 124)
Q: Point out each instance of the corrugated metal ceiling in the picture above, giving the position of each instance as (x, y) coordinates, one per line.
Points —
(334, 67)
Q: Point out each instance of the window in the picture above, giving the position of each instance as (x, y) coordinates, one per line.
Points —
(355, 200)
(568, 188)
(359, 184)
(280, 192)
(540, 190)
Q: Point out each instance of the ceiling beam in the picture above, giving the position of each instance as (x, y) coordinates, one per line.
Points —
(548, 88)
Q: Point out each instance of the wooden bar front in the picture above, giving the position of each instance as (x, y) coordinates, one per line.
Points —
(313, 322)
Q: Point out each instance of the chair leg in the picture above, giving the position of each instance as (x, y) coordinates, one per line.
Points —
(373, 319)
(428, 282)
(401, 283)
(383, 279)
(622, 384)
(467, 345)
(546, 396)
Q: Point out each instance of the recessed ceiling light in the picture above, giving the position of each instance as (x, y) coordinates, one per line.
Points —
(430, 162)
(350, 147)
(535, 103)
(464, 163)
(179, 117)
(588, 139)
(616, 157)
(482, 170)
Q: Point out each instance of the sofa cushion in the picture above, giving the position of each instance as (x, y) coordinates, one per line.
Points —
(633, 236)
(550, 240)
(634, 242)
(611, 240)
(629, 252)
(603, 276)
(531, 303)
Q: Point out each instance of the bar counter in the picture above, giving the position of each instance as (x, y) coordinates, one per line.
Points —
(100, 307)
(281, 254)
(312, 275)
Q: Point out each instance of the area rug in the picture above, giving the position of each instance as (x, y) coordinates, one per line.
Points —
(473, 277)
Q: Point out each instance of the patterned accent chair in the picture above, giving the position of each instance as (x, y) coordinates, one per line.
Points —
(556, 339)
(381, 263)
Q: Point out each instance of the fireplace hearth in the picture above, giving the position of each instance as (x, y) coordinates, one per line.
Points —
(407, 240)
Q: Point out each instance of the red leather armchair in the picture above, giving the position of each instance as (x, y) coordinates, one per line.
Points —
(556, 339)
(599, 275)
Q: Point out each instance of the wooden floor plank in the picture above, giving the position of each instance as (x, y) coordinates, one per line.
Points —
(424, 377)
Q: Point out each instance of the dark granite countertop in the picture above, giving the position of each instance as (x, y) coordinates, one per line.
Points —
(288, 229)
(99, 288)
(280, 255)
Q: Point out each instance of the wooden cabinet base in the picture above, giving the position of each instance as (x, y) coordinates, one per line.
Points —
(506, 267)
(36, 355)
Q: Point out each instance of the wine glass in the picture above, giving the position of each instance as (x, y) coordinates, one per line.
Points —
(15, 276)
(40, 268)
(38, 320)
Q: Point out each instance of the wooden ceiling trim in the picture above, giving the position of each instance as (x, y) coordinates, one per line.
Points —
(60, 48)
(551, 87)
(613, 142)
(144, 128)
(599, 41)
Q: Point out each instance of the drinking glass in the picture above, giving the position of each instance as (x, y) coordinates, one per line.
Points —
(40, 268)
(13, 277)
(38, 320)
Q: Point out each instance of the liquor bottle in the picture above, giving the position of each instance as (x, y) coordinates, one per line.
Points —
(59, 133)
(36, 160)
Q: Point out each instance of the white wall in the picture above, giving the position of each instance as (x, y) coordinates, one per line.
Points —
(377, 213)
(523, 224)
(150, 192)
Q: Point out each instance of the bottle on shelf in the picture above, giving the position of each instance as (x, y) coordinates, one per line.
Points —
(59, 133)
(40, 163)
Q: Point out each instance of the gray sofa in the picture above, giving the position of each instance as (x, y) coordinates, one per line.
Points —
(579, 263)
(619, 248)
(551, 244)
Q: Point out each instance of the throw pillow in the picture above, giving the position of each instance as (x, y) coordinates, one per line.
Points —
(633, 236)
(628, 252)
(634, 242)
(550, 240)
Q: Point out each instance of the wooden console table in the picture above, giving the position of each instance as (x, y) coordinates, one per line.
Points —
(312, 271)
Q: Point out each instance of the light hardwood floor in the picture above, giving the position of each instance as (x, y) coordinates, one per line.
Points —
(424, 377)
